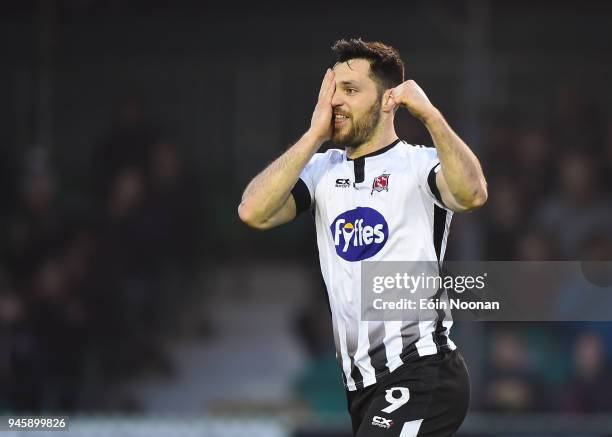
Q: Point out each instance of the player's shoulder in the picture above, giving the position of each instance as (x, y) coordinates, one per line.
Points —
(327, 158)
(416, 151)
(322, 164)
(415, 148)
(331, 155)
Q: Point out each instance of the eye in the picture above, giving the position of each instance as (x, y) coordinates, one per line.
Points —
(351, 90)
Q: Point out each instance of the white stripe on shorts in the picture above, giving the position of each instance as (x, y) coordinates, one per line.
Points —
(411, 429)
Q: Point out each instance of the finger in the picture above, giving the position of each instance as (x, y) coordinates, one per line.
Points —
(324, 83)
(330, 84)
(390, 98)
(393, 96)
(331, 89)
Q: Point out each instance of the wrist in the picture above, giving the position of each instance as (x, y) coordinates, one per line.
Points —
(431, 117)
(315, 138)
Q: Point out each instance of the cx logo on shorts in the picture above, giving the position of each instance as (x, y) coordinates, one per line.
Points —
(382, 422)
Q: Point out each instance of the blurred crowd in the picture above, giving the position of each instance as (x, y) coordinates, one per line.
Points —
(93, 272)
(550, 183)
(550, 199)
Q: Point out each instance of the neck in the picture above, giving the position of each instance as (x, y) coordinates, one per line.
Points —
(381, 138)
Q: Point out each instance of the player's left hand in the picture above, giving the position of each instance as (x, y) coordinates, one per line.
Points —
(410, 95)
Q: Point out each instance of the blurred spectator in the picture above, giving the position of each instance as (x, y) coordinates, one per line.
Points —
(607, 155)
(500, 140)
(171, 206)
(36, 224)
(56, 321)
(585, 297)
(505, 219)
(126, 145)
(536, 171)
(578, 122)
(580, 207)
(318, 384)
(536, 244)
(511, 385)
(119, 280)
(589, 390)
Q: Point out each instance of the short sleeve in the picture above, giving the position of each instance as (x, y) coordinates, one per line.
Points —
(427, 164)
(304, 190)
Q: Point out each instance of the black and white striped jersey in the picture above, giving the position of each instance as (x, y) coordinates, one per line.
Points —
(378, 207)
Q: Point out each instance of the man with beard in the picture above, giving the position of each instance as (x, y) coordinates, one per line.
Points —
(378, 199)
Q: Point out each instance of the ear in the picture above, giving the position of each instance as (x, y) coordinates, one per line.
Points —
(387, 104)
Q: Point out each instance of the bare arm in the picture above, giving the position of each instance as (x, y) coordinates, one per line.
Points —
(461, 182)
(267, 201)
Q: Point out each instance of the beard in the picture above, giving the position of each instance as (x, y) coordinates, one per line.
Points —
(360, 131)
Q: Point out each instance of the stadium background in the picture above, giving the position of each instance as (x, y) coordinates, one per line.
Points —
(132, 297)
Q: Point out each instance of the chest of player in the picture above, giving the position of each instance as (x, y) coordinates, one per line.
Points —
(361, 212)
(383, 186)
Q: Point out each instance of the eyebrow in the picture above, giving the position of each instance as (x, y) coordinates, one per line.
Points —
(349, 83)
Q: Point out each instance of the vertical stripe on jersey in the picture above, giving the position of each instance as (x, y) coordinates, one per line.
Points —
(445, 321)
(364, 360)
(442, 219)
(410, 334)
(438, 335)
(449, 217)
(426, 344)
(337, 344)
(356, 375)
(352, 338)
(347, 360)
(439, 229)
(393, 344)
(448, 324)
(378, 354)
(359, 170)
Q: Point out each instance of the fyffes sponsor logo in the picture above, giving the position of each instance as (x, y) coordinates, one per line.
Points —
(359, 233)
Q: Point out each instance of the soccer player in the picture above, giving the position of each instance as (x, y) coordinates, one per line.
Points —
(402, 378)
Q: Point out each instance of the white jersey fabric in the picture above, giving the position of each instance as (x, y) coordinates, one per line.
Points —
(390, 199)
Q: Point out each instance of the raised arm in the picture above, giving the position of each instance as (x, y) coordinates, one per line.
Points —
(461, 182)
(267, 201)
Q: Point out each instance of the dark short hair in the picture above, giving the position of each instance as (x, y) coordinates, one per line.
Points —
(386, 66)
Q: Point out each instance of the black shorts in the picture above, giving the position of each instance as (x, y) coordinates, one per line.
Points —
(428, 397)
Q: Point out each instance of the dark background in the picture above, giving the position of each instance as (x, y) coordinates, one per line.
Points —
(130, 128)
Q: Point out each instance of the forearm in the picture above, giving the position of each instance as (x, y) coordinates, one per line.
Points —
(460, 167)
(270, 189)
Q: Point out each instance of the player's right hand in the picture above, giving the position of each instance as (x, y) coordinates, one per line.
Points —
(321, 124)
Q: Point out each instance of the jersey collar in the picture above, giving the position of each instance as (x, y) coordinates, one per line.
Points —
(376, 152)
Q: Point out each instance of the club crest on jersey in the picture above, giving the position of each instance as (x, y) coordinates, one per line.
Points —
(381, 183)
(359, 233)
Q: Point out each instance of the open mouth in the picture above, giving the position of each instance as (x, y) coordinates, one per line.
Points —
(340, 119)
